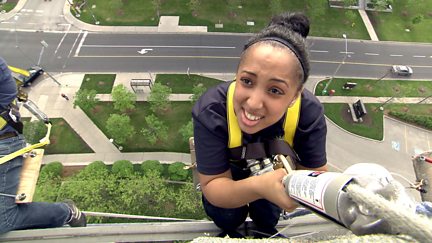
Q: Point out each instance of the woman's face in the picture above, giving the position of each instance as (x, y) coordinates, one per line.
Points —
(266, 84)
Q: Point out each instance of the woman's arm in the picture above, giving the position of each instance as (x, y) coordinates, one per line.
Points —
(220, 190)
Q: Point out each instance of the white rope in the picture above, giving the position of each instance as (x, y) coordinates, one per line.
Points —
(401, 220)
(129, 216)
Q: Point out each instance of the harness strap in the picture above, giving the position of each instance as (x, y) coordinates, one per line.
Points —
(44, 141)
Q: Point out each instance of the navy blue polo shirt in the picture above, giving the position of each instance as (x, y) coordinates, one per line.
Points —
(8, 90)
(211, 131)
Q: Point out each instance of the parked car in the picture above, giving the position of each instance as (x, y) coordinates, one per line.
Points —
(402, 70)
(34, 73)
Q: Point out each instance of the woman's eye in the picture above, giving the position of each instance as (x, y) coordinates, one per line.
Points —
(276, 91)
(246, 81)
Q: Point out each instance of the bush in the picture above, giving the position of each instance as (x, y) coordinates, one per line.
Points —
(423, 121)
(51, 170)
(176, 171)
(152, 165)
(96, 169)
(122, 168)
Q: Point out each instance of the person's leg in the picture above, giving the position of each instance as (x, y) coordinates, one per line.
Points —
(265, 216)
(227, 219)
(29, 215)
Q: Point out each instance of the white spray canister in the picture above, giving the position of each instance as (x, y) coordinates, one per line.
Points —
(325, 194)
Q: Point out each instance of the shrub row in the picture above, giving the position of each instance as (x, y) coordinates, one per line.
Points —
(423, 121)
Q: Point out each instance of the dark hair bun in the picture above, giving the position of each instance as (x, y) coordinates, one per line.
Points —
(297, 22)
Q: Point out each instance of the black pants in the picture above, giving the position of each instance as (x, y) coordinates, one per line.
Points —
(264, 214)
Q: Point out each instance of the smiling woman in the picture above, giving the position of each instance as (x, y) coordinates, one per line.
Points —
(240, 126)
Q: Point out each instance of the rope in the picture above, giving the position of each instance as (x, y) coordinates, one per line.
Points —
(129, 216)
(402, 221)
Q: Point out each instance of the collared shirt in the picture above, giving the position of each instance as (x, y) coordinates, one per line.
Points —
(211, 132)
(8, 90)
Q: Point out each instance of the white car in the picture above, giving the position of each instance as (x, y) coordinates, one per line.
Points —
(402, 70)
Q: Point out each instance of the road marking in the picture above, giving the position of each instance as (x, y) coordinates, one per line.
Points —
(39, 11)
(70, 52)
(81, 43)
(145, 56)
(343, 52)
(371, 54)
(144, 51)
(419, 56)
(27, 10)
(61, 41)
(142, 46)
(319, 51)
(396, 55)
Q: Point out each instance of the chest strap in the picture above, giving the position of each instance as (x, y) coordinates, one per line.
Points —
(235, 134)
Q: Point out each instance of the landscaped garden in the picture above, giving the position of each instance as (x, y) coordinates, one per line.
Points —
(372, 125)
(149, 188)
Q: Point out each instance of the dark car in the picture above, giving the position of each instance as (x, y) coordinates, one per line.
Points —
(34, 72)
(402, 70)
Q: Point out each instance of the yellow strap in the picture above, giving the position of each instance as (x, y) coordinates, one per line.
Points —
(291, 121)
(235, 134)
(44, 141)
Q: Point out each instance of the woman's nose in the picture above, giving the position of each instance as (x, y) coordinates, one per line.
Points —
(255, 100)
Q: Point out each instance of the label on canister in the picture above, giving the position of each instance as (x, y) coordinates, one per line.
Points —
(318, 190)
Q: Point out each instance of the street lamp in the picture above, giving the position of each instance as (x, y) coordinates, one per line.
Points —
(338, 67)
(44, 45)
(115, 144)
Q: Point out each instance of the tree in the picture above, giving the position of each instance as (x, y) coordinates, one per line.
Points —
(152, 165)
(86, 99)
(177, 172)
(186, 131)
(34, 131)
(122, 168)
(197, 91)
(122, 98)
(351, 15)
(349, 3)
(275, 6)
(119, 127)
(159, 97)
(155, 130)
(188, 202)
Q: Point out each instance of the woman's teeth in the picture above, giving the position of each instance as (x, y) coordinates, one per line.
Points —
(252, 117)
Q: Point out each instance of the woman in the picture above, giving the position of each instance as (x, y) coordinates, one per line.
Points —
(269, 82)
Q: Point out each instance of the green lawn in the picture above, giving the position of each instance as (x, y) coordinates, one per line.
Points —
(392, 26)
(64, 140)
(325, 21)
(7, 6)
(174, 119)
(372, 127)
(102, 83)
(375, 88)
(183, 84)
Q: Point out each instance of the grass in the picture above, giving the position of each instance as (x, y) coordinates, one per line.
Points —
(178, 116)
(371, 128)
(102, 83)
(7, 6)
(392, 26)
(64, 140)
(374, 88)
(233, 18)
(183, 84)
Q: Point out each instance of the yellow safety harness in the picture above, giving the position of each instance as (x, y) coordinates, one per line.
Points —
(44, 141)
(235, 134)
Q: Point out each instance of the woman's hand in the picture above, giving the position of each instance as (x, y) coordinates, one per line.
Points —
(271, 188)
